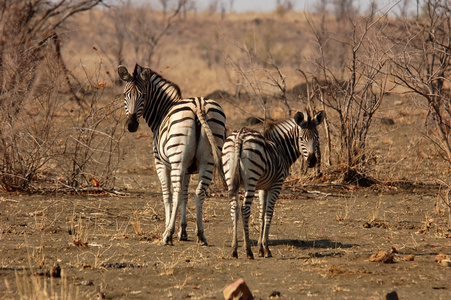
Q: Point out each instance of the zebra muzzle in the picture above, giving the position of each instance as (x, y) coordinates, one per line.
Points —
(132, 123)
(311, 160)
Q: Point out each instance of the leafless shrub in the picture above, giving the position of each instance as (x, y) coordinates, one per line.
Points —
(278, 80)
(29, 33)
(421, 63)
(27, 135)
(34, 102)
(136, 27)
(262, 77)
(249, 76)
(445, 192)
(89, 152)
(350, 90)
(52, 138)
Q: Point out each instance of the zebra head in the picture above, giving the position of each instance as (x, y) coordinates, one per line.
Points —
(134, 93)
(308, 137)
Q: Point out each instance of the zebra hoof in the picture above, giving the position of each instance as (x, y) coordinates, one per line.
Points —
(260, 253)
(268, 254)
(167, 240)
(201, 239)
(250, 255)
(183, 237)
(235, 254)
(167, 243)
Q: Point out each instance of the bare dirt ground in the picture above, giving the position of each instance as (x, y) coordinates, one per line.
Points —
(322, 237)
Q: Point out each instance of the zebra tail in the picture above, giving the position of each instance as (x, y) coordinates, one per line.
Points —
(236, 178)
(214, 148)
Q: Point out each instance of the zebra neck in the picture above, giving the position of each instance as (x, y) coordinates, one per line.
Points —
(161, 96)
(285, 138)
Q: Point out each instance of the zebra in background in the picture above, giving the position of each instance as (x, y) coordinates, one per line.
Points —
(188, 138)
(262, 162)
(251, 121)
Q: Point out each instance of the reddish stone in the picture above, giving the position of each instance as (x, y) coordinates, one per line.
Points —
(238, 290)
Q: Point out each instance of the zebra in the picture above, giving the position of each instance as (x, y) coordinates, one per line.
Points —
(262, 162)
(188, 135)
(251, 121)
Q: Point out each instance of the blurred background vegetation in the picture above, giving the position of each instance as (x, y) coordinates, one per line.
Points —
(61, 118)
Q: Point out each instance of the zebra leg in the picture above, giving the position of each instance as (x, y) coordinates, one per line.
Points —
(271, 201)
(183, 235)
(245, 213)
(165, 181)
(234, 212)
(199, 198)
(263, 198)
(178, 177)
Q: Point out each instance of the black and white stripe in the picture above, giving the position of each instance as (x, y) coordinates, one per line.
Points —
(262, 162)
(188, 138)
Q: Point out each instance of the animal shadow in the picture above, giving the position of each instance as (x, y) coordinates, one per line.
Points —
(321, 244)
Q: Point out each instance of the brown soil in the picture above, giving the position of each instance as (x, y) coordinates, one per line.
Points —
(322, 238)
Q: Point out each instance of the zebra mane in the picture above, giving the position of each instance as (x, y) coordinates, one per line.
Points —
(138, 70)
(272, 127)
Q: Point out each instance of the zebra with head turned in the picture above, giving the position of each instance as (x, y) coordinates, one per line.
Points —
(262, 162)
(188, 138)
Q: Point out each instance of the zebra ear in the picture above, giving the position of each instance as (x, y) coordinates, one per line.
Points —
(145, 74)
(319, 117)
(299, 118)
(123, 73)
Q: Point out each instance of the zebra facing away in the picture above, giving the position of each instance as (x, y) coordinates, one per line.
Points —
(188, 138)
(262, 162)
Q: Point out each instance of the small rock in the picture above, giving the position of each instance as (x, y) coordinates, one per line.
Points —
(409, 257)
(85, 283)
(445, 262)
(367, 225)
(439, 257)
(386, 257)
(238, 290)
(274, 294)
(387, 121)
(392, 296)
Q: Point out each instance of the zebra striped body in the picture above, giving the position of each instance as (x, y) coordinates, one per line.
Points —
(188, 138)
(262, 162)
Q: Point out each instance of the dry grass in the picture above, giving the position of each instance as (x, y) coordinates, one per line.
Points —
(35, 287)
